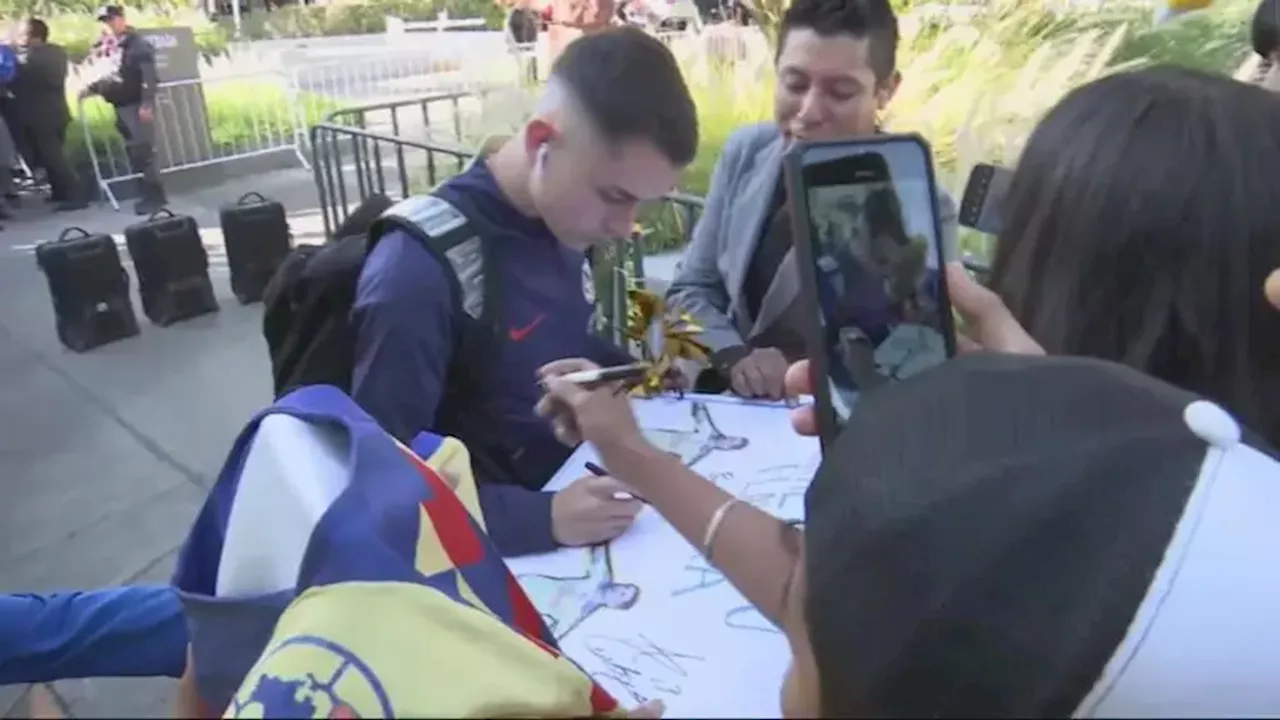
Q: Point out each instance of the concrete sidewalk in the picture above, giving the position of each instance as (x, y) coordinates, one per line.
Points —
(106, 456)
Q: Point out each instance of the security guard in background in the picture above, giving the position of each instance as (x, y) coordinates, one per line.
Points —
(132, 90)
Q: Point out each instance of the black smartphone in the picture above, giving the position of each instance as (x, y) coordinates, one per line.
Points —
(982, 206)
(868, 241)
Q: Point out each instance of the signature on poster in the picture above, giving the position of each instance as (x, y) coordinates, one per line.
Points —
(779, 490)
(699, 575)
(638, 666)
(747, 617)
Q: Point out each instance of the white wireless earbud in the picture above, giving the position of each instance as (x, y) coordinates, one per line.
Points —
(541, 160)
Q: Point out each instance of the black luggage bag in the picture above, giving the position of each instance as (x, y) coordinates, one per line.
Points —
(255, 231)
(172, 267)
(89, 287)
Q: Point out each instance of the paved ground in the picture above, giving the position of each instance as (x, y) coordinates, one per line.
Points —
(105, 457)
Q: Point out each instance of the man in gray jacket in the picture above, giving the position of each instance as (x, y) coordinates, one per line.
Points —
(40, 91)
(835, 74)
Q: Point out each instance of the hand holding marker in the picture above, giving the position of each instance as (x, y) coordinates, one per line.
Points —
(599, 376)
(592, 378)
(598, 471)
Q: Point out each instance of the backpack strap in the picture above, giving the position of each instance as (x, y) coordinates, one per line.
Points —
(445, 231)
(448, 233)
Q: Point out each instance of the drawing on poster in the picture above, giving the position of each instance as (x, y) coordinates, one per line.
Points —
(694, 445)
(565, 602)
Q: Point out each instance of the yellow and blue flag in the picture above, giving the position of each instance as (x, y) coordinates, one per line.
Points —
(334, 572)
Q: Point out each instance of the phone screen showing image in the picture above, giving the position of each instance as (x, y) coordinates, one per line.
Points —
(871, 259)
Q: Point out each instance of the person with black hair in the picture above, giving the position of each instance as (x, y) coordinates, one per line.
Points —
(613, 128)
(1115, 247)
(1264, 36)
(41, 93)
(1005, 535)
(836, 73)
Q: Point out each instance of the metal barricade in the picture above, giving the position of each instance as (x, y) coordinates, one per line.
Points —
(405, 67)
(199, 123)
(392, 73)
(355, 150)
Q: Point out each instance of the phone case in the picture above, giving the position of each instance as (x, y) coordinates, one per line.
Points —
(975, 195)
(802, 240)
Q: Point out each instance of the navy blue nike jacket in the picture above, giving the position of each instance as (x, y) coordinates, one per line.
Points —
(405, 329)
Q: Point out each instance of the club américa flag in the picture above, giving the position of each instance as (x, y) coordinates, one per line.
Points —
(334, 572)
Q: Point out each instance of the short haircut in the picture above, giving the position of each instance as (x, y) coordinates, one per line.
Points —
(1265, 31)
(38, 29)
(870, 19)
(1140, 226)
(630, 86)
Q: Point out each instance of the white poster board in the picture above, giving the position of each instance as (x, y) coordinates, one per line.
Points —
(646, 615)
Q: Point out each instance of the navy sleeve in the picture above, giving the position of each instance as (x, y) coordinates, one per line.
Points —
(119, 632)
(518, 519)
(404, 327)
(605, 354)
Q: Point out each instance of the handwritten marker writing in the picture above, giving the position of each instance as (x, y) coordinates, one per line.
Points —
(598, 471)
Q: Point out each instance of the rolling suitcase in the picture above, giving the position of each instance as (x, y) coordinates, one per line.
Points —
(255, 231)
(89, 287)
(172, 268)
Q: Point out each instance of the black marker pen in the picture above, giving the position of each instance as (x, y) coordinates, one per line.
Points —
(598, 471)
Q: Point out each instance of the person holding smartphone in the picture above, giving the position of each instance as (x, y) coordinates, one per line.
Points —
(1102, 564)
(836, 74)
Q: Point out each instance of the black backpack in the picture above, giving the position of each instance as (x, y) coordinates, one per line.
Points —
(307, 307)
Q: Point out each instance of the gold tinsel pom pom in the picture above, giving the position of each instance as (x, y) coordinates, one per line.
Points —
(664, 335)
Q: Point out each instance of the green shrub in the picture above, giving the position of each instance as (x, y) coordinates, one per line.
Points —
(78, 31)
(974, 90)
(240, 115)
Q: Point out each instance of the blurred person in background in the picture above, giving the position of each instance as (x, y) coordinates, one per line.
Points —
(131, 90)
(571, 19)
(10, 133)
(836, 72)
(522, 24)
(1140, 224)
(8, 161)
(1261, 68)
(40, 92)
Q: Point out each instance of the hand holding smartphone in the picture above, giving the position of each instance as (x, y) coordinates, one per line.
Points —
(868, 246)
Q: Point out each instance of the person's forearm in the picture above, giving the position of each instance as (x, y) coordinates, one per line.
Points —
(754, 550)
(119, 632)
